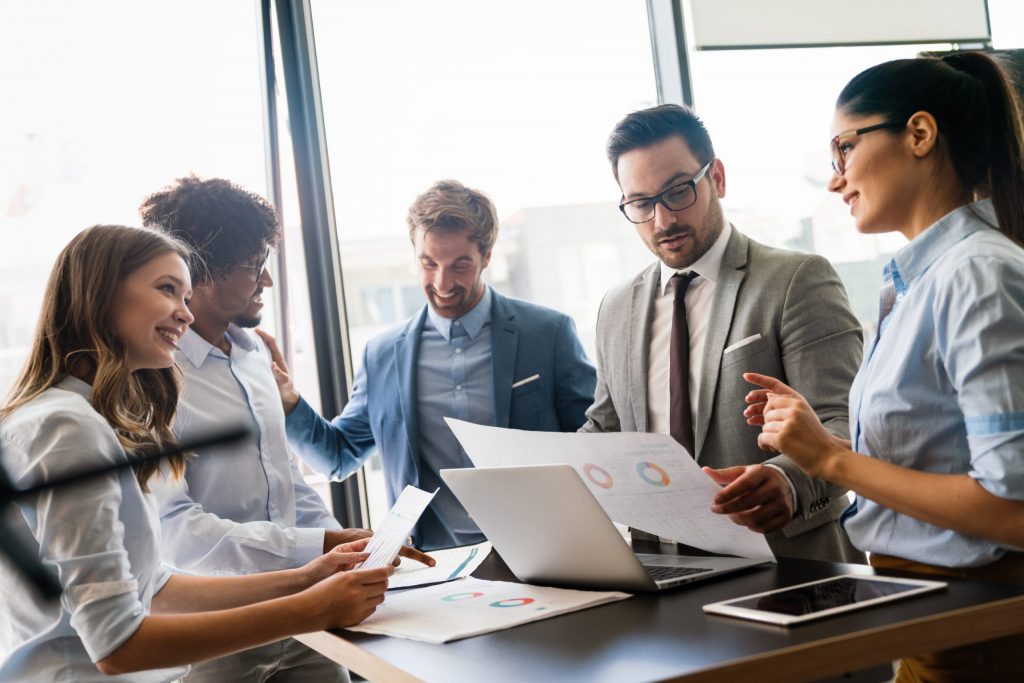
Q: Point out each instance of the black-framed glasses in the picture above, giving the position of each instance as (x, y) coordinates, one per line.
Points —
(258, 269)
(839, 142)
(675, 198)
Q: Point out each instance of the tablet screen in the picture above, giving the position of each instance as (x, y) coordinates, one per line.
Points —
(822, 598)
(815, 597)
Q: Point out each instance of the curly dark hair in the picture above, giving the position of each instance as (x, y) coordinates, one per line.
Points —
(226, 225)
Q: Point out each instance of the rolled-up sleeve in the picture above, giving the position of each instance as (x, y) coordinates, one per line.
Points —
(81, 535)
(981, 327)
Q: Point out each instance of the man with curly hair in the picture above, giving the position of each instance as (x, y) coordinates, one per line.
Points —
(240, 509)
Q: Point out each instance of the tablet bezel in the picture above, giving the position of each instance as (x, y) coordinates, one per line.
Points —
(726, 608)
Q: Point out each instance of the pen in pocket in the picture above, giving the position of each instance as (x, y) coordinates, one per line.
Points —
(525, 381)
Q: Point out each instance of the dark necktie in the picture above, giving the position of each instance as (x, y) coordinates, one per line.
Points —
(680, 419)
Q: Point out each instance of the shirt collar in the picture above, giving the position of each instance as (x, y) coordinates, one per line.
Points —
(707, 266)
(472, 322)
(197, 350)
(920, 253)
(80, 387)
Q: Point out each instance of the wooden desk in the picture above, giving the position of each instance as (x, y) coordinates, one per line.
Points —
(666, 637)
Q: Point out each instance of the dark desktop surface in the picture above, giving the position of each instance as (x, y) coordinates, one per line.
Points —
(666, 636)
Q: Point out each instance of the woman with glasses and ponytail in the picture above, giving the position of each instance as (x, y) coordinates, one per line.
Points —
(931, 148)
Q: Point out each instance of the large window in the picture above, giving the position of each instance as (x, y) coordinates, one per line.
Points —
(105, 102)
(108, 101)
(771, 129)
(516, 100)
(770, 114)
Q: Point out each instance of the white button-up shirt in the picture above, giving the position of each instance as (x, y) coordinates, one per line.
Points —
(244, 507)
(699, 296)
(100, 537)
(940, 387)
(698, 316)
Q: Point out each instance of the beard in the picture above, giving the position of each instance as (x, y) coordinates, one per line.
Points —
(248, 321)
(459, 304)
(252, 315)
(700, 238)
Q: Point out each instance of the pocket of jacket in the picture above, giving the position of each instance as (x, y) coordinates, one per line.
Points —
(528, 388)
(743, 350)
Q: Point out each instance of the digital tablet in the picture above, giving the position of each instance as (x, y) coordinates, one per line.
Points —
(821, 598)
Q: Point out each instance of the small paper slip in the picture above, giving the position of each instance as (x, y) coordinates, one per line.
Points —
(389, 538)
(470, 607)
(452, 563)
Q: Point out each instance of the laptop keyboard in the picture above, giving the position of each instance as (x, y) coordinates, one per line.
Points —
(663, 573)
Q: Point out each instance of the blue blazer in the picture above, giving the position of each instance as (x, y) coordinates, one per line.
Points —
(526, 339)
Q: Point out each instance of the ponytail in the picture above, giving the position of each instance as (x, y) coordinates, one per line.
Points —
(978, 113)
(1005, 153)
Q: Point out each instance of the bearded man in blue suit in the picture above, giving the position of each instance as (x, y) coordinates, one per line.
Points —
(470, 353)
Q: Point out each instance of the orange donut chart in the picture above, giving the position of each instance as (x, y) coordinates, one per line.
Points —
(645, 469)
(598, 476)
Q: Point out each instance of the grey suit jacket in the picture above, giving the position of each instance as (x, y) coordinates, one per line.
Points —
(809, 338)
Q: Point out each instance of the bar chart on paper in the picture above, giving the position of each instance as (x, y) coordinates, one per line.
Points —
(392, 534)
(452, 563)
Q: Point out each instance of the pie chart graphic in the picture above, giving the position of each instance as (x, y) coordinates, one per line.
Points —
(598, 476)
(455, 597)
(512, 602)
(652, 474)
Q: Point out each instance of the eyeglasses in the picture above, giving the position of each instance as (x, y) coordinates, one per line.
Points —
(675, 198)
(259, 269)
(839, 146)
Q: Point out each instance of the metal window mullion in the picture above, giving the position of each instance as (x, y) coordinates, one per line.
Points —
(319, 232)
(272, 150)
(668, 43)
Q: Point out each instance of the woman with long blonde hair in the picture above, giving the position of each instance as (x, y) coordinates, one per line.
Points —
(100, 386)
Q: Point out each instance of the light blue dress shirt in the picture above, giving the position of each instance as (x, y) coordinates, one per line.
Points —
(245, 507)
(102, 537)
(453, 379)
(942, 387)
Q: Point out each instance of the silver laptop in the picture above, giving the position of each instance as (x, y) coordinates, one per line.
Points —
(549, 529)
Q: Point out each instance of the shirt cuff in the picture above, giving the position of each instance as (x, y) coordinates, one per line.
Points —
(299, 420)
(998, 468)
(104, 625)
(163, 575)
(309, 545)
(792, 489)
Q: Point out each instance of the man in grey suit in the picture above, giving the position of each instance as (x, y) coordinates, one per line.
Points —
(671, 351)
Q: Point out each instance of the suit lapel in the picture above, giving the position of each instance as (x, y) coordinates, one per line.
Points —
(504, 343)
(407, 351)
(641, 312)
(723, 303)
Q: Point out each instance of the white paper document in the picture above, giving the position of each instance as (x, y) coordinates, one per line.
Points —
(389, 538)
(452, 563)
(647, 481)
(470, 607)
